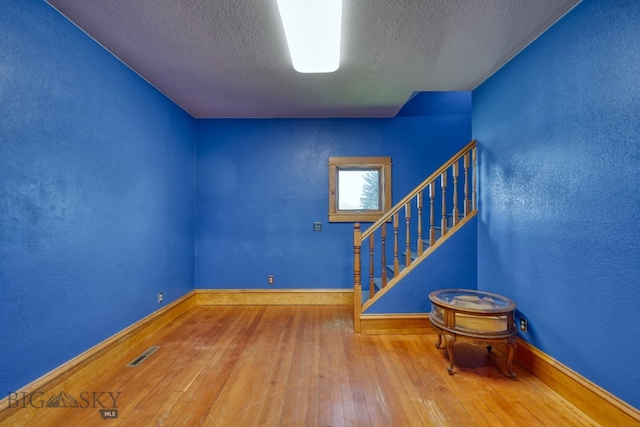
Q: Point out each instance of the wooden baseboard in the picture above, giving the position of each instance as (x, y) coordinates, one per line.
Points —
(398, 324)
(92, 361)
(600, 405)
(274, 297)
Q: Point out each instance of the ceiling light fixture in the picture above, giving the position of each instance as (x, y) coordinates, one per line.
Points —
(312, 28)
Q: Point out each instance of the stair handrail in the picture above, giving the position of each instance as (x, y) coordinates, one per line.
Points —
(398, 206)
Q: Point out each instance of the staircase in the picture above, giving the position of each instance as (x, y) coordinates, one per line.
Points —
(413, 229)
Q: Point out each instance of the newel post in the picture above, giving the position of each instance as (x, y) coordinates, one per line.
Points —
(357, 285)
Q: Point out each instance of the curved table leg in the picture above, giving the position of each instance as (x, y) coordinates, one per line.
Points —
(450, 340)
(512, 353)
(439, 342)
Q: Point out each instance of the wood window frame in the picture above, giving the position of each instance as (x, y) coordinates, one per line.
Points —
(382, 164)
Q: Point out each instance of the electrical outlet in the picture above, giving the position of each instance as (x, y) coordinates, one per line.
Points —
(523, 324)
(270, 279)
(159, 297)
(317, 226)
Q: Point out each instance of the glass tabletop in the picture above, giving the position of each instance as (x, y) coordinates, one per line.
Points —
(470, 299)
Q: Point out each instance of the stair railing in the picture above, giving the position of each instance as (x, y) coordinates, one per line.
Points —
(454, 197)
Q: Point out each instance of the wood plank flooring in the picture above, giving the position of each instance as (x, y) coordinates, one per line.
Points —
(304, 366)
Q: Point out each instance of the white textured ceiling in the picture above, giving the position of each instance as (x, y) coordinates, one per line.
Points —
(228, 58)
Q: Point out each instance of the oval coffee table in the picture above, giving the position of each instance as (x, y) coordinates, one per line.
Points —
(478, 317)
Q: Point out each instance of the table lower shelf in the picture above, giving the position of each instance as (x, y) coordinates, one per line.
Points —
(451, 338)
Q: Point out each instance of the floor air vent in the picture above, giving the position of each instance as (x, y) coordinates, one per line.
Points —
(138, 360)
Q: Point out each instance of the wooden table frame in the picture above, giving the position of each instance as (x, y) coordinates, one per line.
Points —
(452, 332)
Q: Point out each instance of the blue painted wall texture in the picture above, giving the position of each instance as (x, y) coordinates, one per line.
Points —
(559, 230)
(96, 194)
(98, 208)
(261, 184)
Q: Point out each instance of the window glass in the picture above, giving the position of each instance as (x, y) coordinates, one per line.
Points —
(358, 189)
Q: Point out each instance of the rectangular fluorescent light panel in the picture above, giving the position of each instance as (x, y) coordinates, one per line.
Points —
(312, 28)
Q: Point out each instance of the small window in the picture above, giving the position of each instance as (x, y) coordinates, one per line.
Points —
(359, 188)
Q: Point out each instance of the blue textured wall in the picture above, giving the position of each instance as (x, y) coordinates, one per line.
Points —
(96, 194)
(559, 232)
(262, 183)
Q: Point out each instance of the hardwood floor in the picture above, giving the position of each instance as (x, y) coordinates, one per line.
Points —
(304, 366)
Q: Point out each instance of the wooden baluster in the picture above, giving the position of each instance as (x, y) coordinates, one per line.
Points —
(466, 184)
(372, 284)
(455, 192)
(443, 184)
(419, 201)
(407, 214)
(475, 178)
(396, 264)
(357, 286)
(384, 254)
(432, 216)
